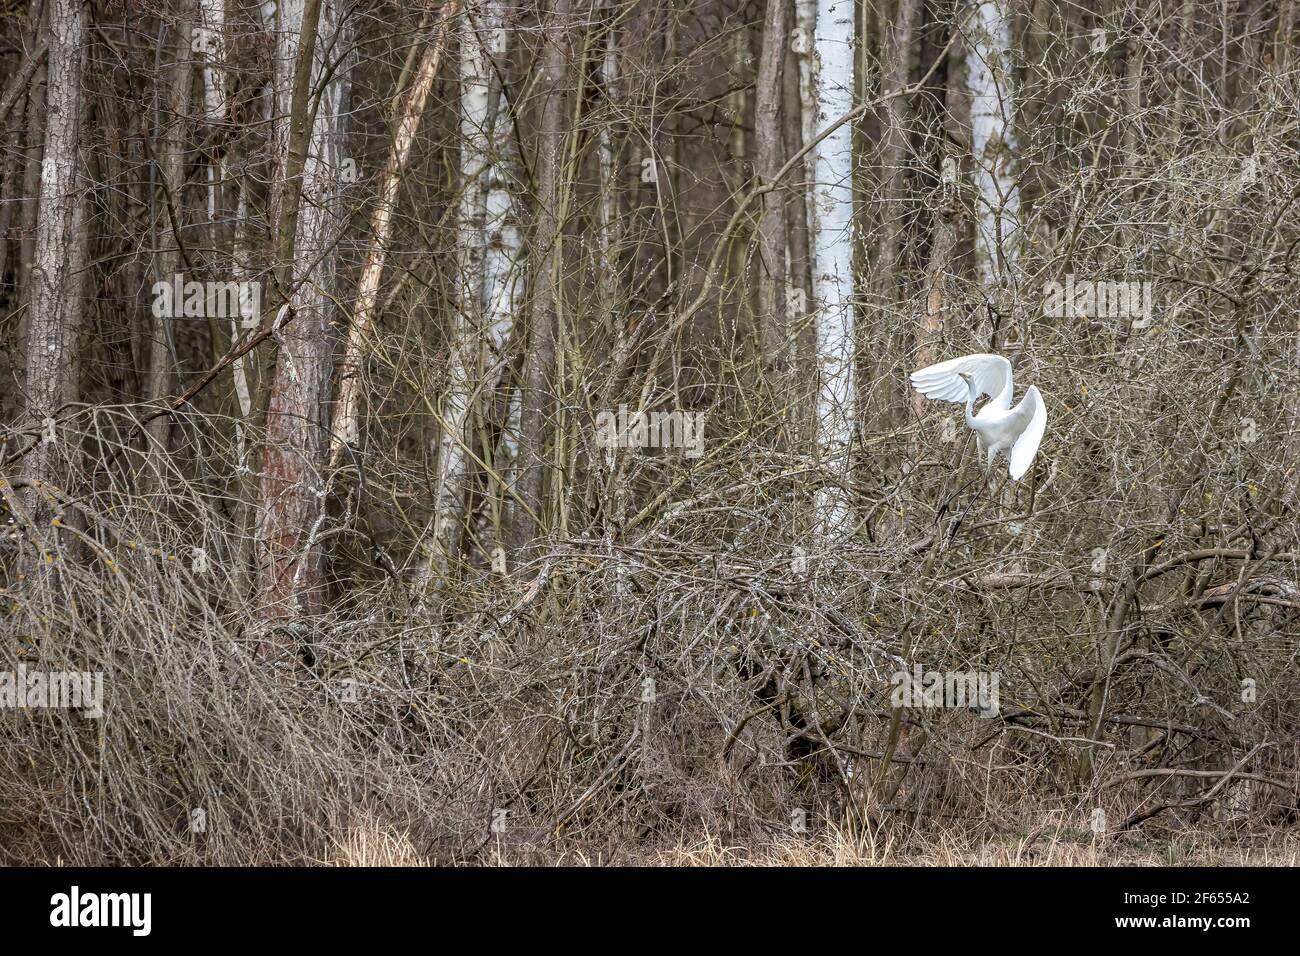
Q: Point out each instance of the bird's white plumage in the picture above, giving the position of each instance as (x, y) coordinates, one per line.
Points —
(992, 375)
(998, 427)
(1032, 409)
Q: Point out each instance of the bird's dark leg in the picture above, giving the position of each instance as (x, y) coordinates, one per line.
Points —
(947, 501)
(957, 522)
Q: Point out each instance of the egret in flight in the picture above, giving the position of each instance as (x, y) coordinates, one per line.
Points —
(998, 427)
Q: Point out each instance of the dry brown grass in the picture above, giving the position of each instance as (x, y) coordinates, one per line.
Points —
(387, 848)
(367, 846)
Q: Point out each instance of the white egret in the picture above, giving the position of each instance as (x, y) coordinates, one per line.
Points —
(998, 427)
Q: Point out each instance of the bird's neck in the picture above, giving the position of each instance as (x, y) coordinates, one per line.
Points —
(970, 407)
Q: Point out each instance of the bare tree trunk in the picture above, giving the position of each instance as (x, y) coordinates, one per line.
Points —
(466, 335)
(55, 305)
(20, 88)
(945, 206)
(1284, 45)
(896, 52)
(173, 119)
(540, 365)
(943, 242)
(293, 494)
(33, 153)
(833, 261)
(8, 198)
(770, 155)
(216, 110)
(609, 178)
(803, 40)
(297, 27)
(993, 144)
(212, 18)
(346, 427)
(503, 296)
(798, 122)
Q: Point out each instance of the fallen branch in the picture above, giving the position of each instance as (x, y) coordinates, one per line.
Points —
(1227, 776)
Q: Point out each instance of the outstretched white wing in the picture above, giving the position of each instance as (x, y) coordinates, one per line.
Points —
(991, 373)
(1032, 411)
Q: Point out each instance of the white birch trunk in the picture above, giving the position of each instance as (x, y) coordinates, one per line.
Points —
(238, 368)
(833, 255)
(802, 40)
(504, 286)
(607, 273)
(805, 29)
(478, 34)
(212, 18)
(608, 168)
(988, 80)
(489, 251)
(212, 21)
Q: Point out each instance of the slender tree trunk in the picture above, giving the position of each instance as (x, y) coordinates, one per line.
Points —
(833, 261)
(503, 296)
(55, 303)
(212, 15)
(943, 242)
(1283, 41)
(803, 43)
(12, 167)
(609, 178)
(540, 365)
(173, 120)
(770, 156)
(19, 87)
(945, 206)
(212, 18)
(33, 153)
(897, 53)
(466, 336)
(293, 493)
(799, 290)
(296, 62)
(346, 427)
(993, 143)
(212, 56)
